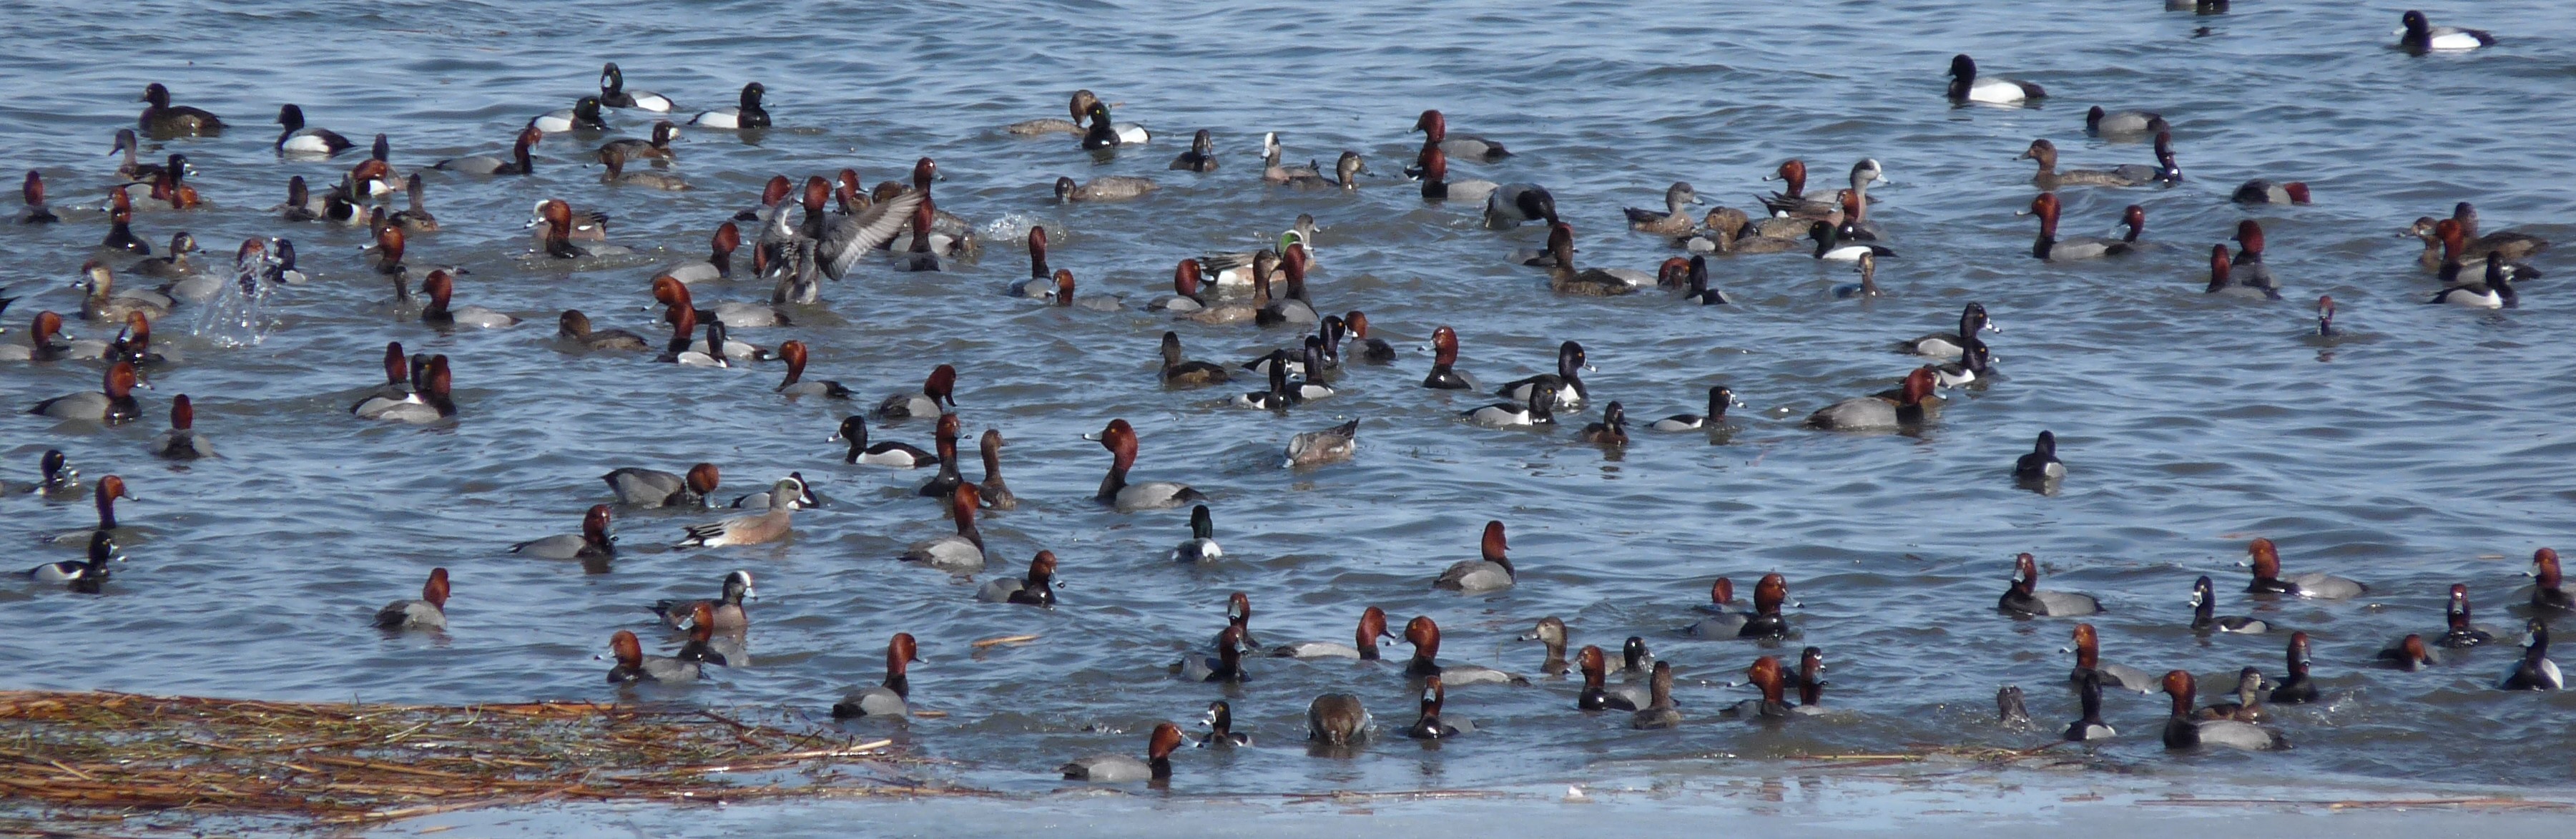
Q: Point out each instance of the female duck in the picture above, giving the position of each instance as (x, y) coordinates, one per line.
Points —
(2049, 178)
(160, 119)
(1316, 448)
(1120, 439)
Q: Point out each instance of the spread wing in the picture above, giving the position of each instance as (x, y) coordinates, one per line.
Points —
(866, 231)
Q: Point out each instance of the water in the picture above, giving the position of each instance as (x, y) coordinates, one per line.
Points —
(2420, 451)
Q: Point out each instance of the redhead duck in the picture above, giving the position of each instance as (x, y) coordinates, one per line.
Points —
(1912, 405)
(2041, 464)
(2024, 598)
(1220, 721)
(937, 395)
(1105, 134)
(1493, 571)
(1062, 296)
(1612, 430)
(1444, 360)
(1811, 681)
(1041, 280)
(634, 666)
(592, 543)
(2419, 36)
(1598, 694)
(84, 577)
(1294, 307)
(649, 489)
(33, 194)
(1424, 635)
(1364, 644)
(42, 346)
(2133, 217)
(617, 174)
(2534, 671)
(103, 302)
(1567, 380)
(1514, 203)
(2295, 688)
(558, 230)
(440, 287)
(431, 402)
(120, 230)
(399, 384)
(1037, 589)
(887, 698)
(760, 528)
(1719, 399)
(1792, 175)
(103, 497)
(1120, 439)
(2204, 616)
(1179, 373)
(1550, 634)
(1186, 300)
(958, 553)
(996, 494)
(182, 442)
(113, 403)
(2053, 249)
(854, 430)
(613, 93)
(1316, 448)
(2408, 654)
(162, 120)
(518, 163)
(2266, 562)
(1765, 674)
(2260, 191)
(2458, 259)
(429, 612)
(719, 262)
(1437, 187)
(2088, 661)
(1536, 411)
(1430, 725)
(1793, 201)
(1367, 349)
(1966, 86)
(1202, 546)
(2461, 633)
(2183, 730)
(172, 186)
(728, 612)
(2090, 726)
(2248, 706)
(2049, 178)
(795, 385)
(2101, 123)
(133, 169)
(2247, 265)
(1225, 666)
(1200, 158)
(929, 247)
(300, 139)
(574, 327)
(2548, 591)
(1765, 621)
(748, 113)
(1435, 134)
(1122, 769)
(1238, 614)
(943, 437)
(681, 308)
(582, 116)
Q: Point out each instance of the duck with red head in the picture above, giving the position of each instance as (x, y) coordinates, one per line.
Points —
(634, 666)
(518, 163)
(1913, 406)
(45, 343)
(2410, 654)
(795, 385)
(944, 439)
(2549, 589)
(2024, 599)
(2260, 191)
(2461, 633)
(1435, 134)
(112, 403)
(936, 396)
(1432, 166)
(1120, 439)
(1041, 278)
(958, 553)
(1156, 768)
(2296, 688)
(1225, 666)
(1424, 635)
(2087, 648)
(1770, 594)
(104, 496)
(1444, 362)
(2049, 247)
(719, 262)
(650, 489)
(1363, 646)
(1431, 725)
(2184, 731)
(2249, 269)
(33, 194)
(2265, 559)
(1037, 589)
(433, 401)
(182, 442)
(592, 543)
(1188, 288)
(888, 698)
(440, 287)
(1492, 572)
(429, 612)
(1764, 674)
(1598, 694)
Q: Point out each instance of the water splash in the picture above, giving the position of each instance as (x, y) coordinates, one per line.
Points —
(237, 315)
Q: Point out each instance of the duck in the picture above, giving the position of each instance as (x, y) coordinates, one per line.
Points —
(1591, 282)
(2183, 730)
(1275, 174)
(2534, 671)
(32, 193)
(1493, 571)
(2041, 464)
(1226, 666)
(728, 610)
(1424, 635)
(1612, 430)
(1949, 345)
(182, 442)
(1187, 299)
(1435, 135)
(1765, 673)
(429, 612)
(1104, 188)
(634, 666)
(1316, 448)
(1444, 362)
(1037, 589)
(2087, 650)
(2049, 247)
(1079, 106)
(112, 403)
(936, 397)
(2260, 191)
(1514, 203)
(564, 234)
(2248, 262)
(2548, 590)
(415, 219)
(791, 491)
(2223, 278)
(1966, 86)
(748, 113)
(441, 287)
(518, 163)
(958, 553)
(1598, 694)
(1200, 158)
(1719, 399)
(2461, 633)
(1294, 307)
(1346, 171)
(133, 170)
(613, 93)
(1122, 769)
(85, 577)
(172, 263)
(172, 186)
(2248, 706)
(854, 430)
(1105, 134)
(1120, 439)
(103, 302)
(2494, 292)
(2024, 598)
(2265, 559)
(760, 528)
(1865, 264)
(617, 174)
(593, 543)
(1549, 632)
(1201, 547)
(1567, 380)
(794, 352)
(61, 482)
(2204, 617)
(2049, 178)
(2511, 244)
(651, 489)
(1364, 645)
(1437, 187)
(1062, 296)
(399, 384)
(2449, 252)
(1765, 621)
(120, 231)
(2418, 35)
(995, 493)
(1536, 411)
(574, 327)
(1365, 348)
(1829, 244)
(1792, 199)
(2099, 122)
(1430, 725)
(1912, 405)
(297, 138)
(42, 344)
(2295, 688)
(2409, 654)
(161, 119)
(943, 440)
(2090, 726)
(1220, 722)
(1975, 364)
(132, 345)
(582, 116)
(887, 698)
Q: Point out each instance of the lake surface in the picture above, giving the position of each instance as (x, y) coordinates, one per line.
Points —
(2425, 448)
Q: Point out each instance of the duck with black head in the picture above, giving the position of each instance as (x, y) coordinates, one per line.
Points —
(163, 120)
